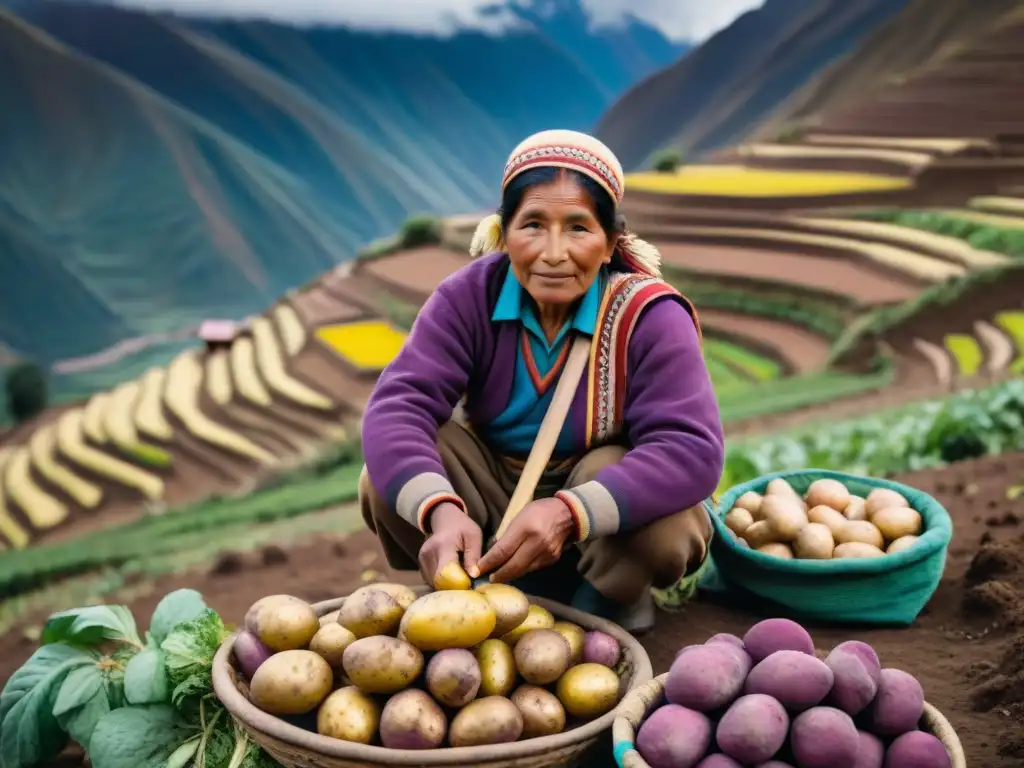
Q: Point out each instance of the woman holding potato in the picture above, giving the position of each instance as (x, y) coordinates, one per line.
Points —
(620, 506)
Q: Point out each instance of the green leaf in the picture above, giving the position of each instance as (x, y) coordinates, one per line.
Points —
(176, 608)
(81, 703)
(189, 650)
(29, 732)
(142, 736)
(183, 755)
(91, 625)
(145, 678)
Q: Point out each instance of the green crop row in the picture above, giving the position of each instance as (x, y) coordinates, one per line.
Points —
(966, 425)
(984, 237)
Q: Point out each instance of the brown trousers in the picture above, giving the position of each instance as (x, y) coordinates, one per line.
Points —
(622, 567)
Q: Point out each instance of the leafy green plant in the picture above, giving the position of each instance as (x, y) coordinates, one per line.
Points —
(419, 231)
(26, 391)
(667, 161)
(985, 237)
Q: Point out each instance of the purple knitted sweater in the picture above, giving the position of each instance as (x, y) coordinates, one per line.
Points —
(671, 420)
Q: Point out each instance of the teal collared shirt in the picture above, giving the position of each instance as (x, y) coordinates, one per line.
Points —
(538, 367)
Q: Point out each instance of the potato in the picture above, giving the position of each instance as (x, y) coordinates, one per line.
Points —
(510, 606)
(542, 656)
(738, 520)
(370, 611)
(896, 522)
(752, 729)
(574, 634)
(758, 534)
(403, 594)
(674, 737)
(856, 509)
(493, 720)
(796, 680)
(350, 715)
(856, 550)
(777, 549)
(897, 706)
(785, 517)
(601, 648)
(727, 638)
(780, 487)
(917, 749)
(291, 682)
(750, 501)
(902, 543)
(453, 677)
(497, 667)
(588, 690)
(412, 720)
(452, 576)
(543, 714)
(860, 531)
(718, 760)
(814, 542)
(536, 618)
(824, 737)
(856, 672)
(828, 492)
(880, 498)
(282, 622)
(449, 619)
(870, 751)
(382, 664)
(771, 635)
(828, 517)
(330, 641)
(706, 678)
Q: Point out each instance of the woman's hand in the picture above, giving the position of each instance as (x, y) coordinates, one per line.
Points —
(452, 533)
(534, 540)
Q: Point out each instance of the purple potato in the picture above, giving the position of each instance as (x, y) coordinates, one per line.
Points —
(705, 678)
(412, 720)
(771, 635)
(870, 752)
(251, 652)
(718, 761)
(673, 737)
(774, 764)
(453, 677)
(725, 637)
(601, 648)
(794, 679)
(898, 705)
(824, 737)
(917, 749)
(753, 729)
(857, 671)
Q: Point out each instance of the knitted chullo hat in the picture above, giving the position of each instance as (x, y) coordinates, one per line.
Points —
(578, 152)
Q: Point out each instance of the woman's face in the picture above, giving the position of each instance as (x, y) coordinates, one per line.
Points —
(555, 243)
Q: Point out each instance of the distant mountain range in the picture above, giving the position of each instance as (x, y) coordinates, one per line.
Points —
(159, 169)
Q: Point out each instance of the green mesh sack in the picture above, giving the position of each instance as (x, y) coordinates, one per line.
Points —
(888, 590)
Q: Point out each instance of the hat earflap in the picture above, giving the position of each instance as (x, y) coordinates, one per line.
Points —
(642, 254)
(487, 238)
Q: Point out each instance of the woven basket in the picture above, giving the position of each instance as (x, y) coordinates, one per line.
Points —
(296, 747)
(641, 701)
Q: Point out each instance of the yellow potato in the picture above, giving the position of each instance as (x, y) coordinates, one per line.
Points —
(493, 720)
(738, 520)
(291, 683)
(750, 501)
(831, 493)
(370, 611)
(779, 487)
(448, 619)
(588, 690)
(857, 509)
(880, 498)
(382, 664)
(903, 542)
(784, 516)
(282, 622)
(497, 667)
(536, 618)
(856, 549)
(403, 594)
(330, 642)
(452, 576)
(862, 531)
(574, 634)
(897, 522)
(814, 542)
(777, 549)
(542, 656)
(543, 714)
(510, 606)
(759, 533)
(828, 517)
(350, 715)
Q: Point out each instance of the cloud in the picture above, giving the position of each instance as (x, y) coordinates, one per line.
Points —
(680, 19)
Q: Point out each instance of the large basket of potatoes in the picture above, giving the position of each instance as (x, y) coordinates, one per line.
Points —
(830, 546)
(400, 676)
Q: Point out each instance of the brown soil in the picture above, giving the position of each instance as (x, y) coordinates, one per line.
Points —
(413, 275)
(863, 284)
(804, 350)
(967, 646)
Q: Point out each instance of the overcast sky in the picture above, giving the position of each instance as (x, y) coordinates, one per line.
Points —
(680, 19)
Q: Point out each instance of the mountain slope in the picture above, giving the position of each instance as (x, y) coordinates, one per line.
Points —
(175, 168)
(718, 93)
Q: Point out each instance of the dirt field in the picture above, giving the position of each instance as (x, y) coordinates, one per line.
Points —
(805, 351)
(967, 647)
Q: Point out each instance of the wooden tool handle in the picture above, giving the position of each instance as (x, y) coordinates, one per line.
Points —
(547, 436)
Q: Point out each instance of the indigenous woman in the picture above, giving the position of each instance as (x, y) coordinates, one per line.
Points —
(620, 507)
